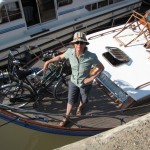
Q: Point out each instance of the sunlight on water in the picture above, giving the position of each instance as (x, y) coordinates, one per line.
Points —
(16, 137)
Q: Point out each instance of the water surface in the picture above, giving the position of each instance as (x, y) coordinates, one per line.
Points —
(15, 137)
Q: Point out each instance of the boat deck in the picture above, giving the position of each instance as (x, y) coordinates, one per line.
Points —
(99, 113)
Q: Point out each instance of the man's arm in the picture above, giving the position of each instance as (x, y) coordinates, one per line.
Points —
(57, 58)
(96, 71)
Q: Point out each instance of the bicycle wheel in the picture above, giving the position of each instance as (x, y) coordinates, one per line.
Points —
(60, 91)
(17, 95)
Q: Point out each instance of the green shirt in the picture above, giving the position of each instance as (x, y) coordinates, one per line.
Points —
(81, 67)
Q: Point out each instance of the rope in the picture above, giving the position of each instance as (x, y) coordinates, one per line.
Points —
(19, 110)
(52, 116)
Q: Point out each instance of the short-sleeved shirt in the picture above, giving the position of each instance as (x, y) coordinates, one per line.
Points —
(81, 67)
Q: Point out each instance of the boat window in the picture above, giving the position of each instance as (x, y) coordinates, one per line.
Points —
(114, 1)
(115, 56)
(47, 10)
(63, 2)
(94, 6)
(39, 11)
(103, 3)
(31, 12)
(97, 5)
(10, 12)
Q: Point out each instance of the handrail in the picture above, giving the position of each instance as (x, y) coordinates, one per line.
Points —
(142, 85)
(104, 33)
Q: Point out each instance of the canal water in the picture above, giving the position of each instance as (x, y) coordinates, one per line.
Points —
(15, 137)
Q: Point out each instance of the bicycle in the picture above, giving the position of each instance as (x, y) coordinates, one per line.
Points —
(24, 87)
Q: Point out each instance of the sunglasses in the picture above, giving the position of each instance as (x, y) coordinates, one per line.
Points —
(80, 42)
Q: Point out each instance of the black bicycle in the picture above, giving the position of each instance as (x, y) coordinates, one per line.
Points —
(29, 86)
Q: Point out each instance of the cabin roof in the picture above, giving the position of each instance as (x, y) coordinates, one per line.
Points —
(131, 74)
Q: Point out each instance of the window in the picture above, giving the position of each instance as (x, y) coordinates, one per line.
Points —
(10, 12)
(63, 2)
(47, 10)
(103, 3)
(4, 15)
(88, 7)
(97, 5)
(94, 6)
(114, 1)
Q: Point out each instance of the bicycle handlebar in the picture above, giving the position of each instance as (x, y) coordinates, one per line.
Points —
(57, 71)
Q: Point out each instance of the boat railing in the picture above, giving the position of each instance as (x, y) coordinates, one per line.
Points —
(103, 33)
(46, 117)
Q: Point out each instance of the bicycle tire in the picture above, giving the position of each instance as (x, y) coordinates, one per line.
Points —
(60, 91)
(16, 95)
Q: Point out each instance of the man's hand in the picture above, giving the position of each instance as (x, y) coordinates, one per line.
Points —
(57, 58)
(45, 65)
(96, 71)
(88, 80)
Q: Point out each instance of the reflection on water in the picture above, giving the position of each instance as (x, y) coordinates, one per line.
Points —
(15, 137)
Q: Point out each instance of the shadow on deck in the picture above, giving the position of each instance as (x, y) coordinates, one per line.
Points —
(99, 112)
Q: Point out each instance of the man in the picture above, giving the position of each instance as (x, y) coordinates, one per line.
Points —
(81, 61)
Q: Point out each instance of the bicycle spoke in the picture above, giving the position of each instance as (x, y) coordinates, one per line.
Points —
(61, 90)
(16, 95)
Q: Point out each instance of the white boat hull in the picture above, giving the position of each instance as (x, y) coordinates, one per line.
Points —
(56, 32)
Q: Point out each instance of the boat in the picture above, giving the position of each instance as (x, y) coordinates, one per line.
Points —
(120, 94)
(46, 24)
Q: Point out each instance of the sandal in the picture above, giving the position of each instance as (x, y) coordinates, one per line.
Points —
(79, 111)
(64, 122)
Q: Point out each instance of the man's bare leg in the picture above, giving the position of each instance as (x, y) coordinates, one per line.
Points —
(79, 109)
(69, 109)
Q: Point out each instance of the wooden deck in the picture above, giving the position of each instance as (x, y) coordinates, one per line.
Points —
(100, 112)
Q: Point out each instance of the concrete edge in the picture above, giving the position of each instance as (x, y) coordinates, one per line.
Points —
(121, 137)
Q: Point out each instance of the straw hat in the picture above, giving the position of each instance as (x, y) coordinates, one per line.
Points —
(79, 36)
